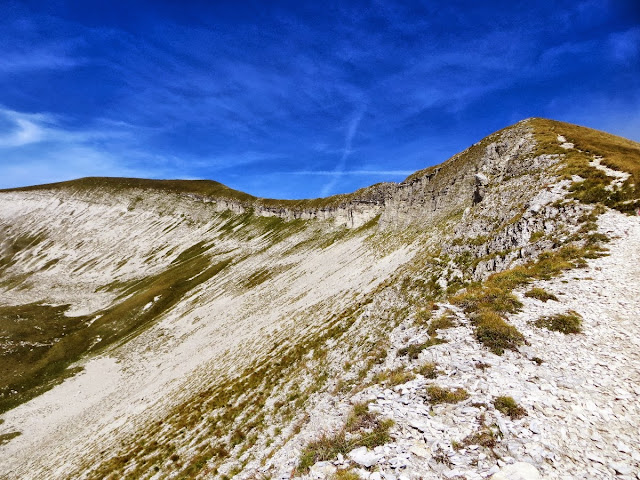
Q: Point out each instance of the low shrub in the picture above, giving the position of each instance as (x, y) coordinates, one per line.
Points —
(362, 429)
(443, 395)
(508, 406)
(495, 333)
(540, 294)
(569, 322)
(428, 370)
(444, 321)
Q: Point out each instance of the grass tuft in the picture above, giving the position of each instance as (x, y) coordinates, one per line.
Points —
(443, 322)
(540, 294)
(362, 429)
(442, 395)
(345, 474)
(413, 351)
(7, 437)
(391, 378)
(495, 333)
(569, 322)
(428, 370)
(485, 438)
(508, 406)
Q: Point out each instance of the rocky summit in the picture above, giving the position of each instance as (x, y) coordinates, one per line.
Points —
(480, 319)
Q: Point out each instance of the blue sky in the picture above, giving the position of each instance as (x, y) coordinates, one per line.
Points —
(298, 99)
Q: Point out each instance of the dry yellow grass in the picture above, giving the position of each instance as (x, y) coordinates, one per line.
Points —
(617, 153)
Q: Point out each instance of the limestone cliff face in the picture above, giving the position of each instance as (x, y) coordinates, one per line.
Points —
(426, 195)
(352, 214)
(462, 181)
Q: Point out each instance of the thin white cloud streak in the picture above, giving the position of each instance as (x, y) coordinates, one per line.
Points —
(352, 129)
(625, 46)
(38, 60)
(24, 129)
(333, 173)
(34, 165)
(37, 148)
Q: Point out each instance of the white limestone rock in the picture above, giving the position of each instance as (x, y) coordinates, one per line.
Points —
(518, 471)
(363, 456)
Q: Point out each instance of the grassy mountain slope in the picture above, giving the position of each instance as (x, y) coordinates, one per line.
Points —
(213, 320)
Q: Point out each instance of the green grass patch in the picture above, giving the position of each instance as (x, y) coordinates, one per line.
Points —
(258, 277)
(444, 321)
(7, 437)
(567, 323)
(362, 429)
(489, 298)
(495, 332)
(345, 474)
(486, 437)
(535, 236)
(36, 343)
(391, 378)
(438, 395)
(508, 406)
(428, 370)
(42, 342)
(15, 246)
(413, 351)
(540, 294)
(423, 317)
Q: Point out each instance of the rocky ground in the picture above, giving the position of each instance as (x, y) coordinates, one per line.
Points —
(579, 391)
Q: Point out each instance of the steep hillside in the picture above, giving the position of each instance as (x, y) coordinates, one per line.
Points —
(182, 329)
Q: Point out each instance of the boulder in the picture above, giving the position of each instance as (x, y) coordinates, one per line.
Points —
(517, 471)
(363, 456)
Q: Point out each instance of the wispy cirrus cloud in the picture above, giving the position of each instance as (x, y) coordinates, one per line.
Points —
(35, 60)
(333, 173)
(38, 148)
(625, 46)
(337, 172)
(21, 129)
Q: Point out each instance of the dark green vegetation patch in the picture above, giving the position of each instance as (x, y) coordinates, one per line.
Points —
(363, 429)
(41, 342)
(508, 406)
(568, 322)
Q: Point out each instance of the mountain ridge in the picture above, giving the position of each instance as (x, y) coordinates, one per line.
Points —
(213, 326)
(342, 205)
